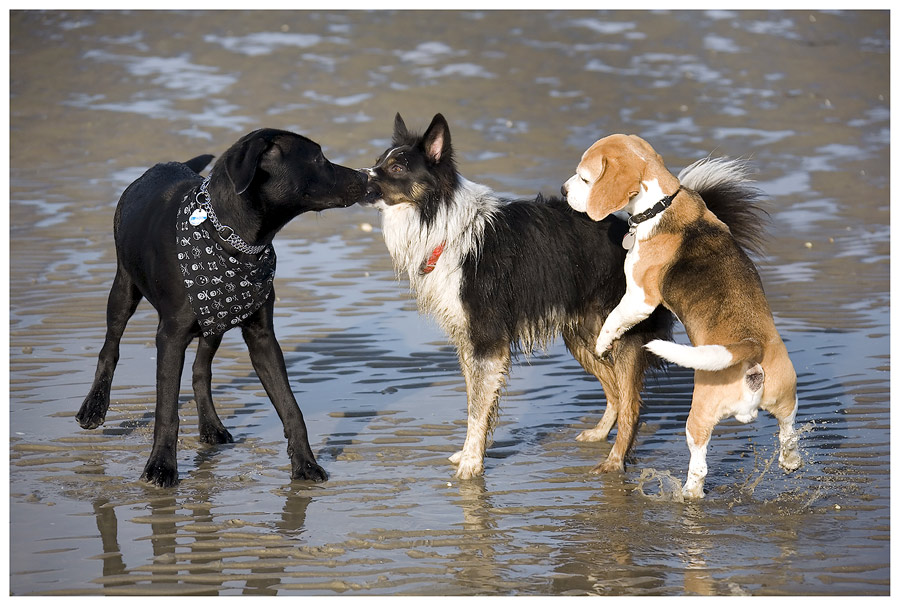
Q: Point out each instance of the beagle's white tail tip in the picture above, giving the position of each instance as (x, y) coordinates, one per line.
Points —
(703, 357)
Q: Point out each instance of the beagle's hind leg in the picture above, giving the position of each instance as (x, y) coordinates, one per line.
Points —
(783, 385)
(789, 456)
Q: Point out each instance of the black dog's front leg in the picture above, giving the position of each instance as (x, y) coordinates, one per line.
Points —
(268, 361)
(172, 339)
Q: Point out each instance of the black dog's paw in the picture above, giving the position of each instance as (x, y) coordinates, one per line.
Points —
(215, 435)
(161, 471)
(93, 410)
(309, 470)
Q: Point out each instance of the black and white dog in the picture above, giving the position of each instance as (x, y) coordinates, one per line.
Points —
(501, 274)
(200, 251)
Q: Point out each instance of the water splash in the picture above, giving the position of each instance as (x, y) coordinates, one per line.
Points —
(669, 485)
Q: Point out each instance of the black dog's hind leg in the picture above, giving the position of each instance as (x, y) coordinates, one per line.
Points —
(123, 300)
(268, 361)
(172, 338)
(212, 431)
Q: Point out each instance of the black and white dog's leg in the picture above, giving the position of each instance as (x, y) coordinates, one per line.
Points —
(485, 376)
(123, 300)
(582, 351)
(173, 336)
(268, 361)
(212, 431)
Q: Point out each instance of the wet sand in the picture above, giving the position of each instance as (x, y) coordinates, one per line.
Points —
(96, 98)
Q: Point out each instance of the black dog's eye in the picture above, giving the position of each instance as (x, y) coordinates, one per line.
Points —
(397, 169)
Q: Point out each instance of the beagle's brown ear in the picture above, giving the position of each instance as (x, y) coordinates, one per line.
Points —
(619, 181)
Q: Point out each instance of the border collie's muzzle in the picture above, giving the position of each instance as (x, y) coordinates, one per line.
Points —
(373, 189)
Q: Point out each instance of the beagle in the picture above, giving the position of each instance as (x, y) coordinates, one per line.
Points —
(681, 255)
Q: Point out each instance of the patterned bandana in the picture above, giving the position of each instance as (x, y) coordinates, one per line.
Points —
(223, 290)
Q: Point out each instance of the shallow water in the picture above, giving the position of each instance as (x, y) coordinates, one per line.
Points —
(98, 97)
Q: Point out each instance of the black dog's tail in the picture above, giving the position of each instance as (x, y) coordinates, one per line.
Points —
(199, 163)
(724, 185)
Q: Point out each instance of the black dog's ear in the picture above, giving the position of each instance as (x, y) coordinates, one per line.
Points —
(437, 139)
(400, 131)
(241, 165)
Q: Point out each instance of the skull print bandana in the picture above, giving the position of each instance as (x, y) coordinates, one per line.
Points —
(223, 290)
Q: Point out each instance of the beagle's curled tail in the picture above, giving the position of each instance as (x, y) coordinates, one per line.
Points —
(708, 357)
(725, 186)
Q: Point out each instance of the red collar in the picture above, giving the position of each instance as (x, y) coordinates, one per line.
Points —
(428, 266)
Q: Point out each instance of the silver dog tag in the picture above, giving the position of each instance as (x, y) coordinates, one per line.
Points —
(197, 217)
(628, 241)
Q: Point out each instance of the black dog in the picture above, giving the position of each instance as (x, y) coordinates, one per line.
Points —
(200, 251)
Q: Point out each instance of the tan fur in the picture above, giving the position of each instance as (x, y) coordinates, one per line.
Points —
(622, 383)
(652, 265)
(725, 308)
(616, 165)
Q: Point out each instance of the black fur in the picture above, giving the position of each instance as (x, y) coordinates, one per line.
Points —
(540, 259)
(263, 181)
(422, 169)
(737, 204)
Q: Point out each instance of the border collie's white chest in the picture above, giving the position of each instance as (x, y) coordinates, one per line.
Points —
(457, 231)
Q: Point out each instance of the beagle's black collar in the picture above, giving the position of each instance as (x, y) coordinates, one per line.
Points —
(634, 220)
(654, 210)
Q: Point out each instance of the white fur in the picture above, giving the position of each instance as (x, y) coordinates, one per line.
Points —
(697, 469)
(703, 357)
(485, 378)
(577, 190)
(631, 309)
(459, 226)
(746, 409)
(789, 456)
(711, 172)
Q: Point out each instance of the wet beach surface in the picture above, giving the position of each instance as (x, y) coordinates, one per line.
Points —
(98, 97)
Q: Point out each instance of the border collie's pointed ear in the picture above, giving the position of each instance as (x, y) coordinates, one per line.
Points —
(240, 165)
(618, 182)
(437, 139)
(400, 131)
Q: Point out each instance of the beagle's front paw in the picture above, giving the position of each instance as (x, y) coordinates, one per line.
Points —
(603, 349)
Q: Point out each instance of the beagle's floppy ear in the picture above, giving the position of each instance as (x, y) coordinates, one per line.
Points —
(618, 182)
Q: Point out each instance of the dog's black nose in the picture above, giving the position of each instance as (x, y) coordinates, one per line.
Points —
(564, 190)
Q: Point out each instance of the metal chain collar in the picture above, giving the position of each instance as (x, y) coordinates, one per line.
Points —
(225, 232)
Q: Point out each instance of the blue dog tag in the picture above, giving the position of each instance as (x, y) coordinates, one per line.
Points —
(197, 217)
